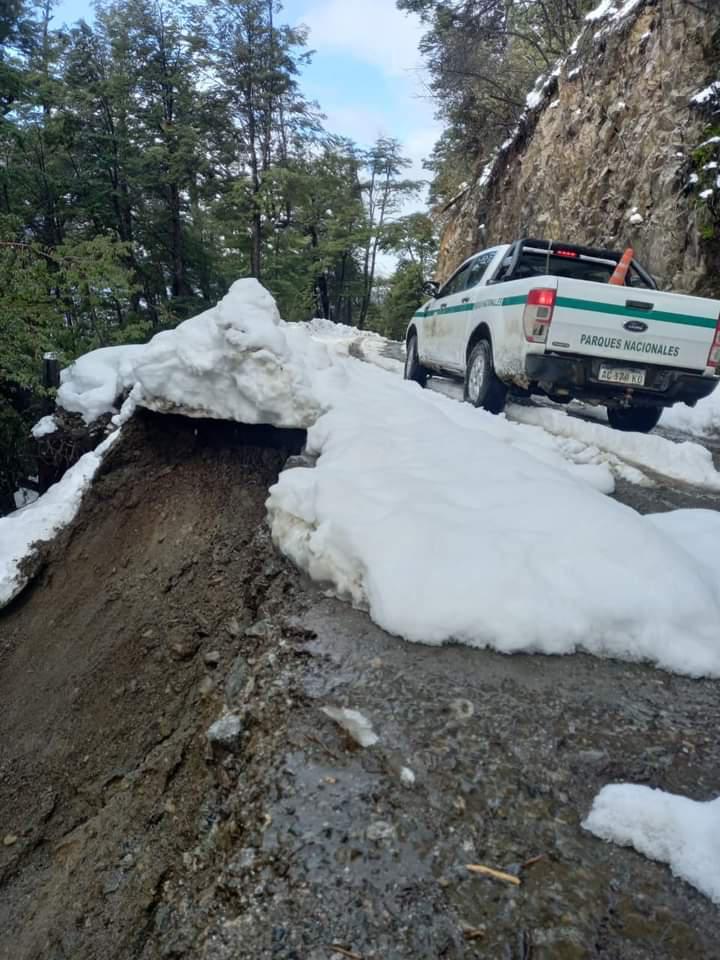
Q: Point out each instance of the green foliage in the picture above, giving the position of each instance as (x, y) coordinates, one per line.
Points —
(404, 296)
(149, 160)
(706, 186)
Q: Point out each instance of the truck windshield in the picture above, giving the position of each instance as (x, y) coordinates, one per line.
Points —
(533, 264)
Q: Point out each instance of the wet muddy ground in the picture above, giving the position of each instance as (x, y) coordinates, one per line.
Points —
(145, 830)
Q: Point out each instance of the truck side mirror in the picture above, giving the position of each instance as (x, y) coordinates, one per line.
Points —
(431, 287)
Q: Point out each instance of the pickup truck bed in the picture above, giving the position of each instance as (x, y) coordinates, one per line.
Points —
(553, 324)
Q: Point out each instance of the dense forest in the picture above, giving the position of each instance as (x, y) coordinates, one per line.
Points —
(150, 159)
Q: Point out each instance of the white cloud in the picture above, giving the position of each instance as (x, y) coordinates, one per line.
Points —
(373, 31)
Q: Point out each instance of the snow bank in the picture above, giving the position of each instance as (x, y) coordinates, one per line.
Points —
(688, 462)
(698, 533)
(237, 361)
(675, 830)
(450, 524)
(699, 421)
(343, 338)
(42, 519)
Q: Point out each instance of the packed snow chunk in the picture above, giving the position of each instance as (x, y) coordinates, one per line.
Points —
(447, 523)
(675, 830)
(354, 723)
(688, 462)
(44, 427)
(237, 361)
(42, 519)
(407, 777)
(92, 385)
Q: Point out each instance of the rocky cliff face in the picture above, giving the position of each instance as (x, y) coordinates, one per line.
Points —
(611, 154)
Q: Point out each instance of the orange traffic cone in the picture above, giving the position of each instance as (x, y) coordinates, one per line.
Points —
(620, 271)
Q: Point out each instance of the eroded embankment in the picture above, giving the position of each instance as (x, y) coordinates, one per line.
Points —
(108, 682)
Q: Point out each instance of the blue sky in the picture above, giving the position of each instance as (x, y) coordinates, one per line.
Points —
(366, 73)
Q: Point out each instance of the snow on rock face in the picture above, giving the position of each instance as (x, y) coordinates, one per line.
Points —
(432, 516)
(237, 361)
(708, 94)
(43, 518)
(662, 826)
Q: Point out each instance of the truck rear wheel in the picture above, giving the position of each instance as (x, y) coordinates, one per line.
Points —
(414, 370)
(634, 419)
(482, 387)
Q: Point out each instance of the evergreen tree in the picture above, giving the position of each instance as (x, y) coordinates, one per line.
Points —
(384, 191)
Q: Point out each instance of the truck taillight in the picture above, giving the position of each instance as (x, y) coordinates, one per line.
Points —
(713, 359)
(538, 314)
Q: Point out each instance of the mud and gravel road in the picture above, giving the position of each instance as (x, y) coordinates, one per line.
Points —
(130, 833)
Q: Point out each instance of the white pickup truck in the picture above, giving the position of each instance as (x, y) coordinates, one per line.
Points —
(539, 317)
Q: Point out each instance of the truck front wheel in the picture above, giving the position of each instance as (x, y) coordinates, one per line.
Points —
(634, 419)
(414, 370)
(482, 387)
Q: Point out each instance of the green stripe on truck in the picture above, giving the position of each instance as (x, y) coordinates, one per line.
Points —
(593, 307)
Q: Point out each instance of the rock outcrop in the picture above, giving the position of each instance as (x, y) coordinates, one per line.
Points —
(611, 155)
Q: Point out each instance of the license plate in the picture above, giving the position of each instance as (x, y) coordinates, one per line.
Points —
(634, 378)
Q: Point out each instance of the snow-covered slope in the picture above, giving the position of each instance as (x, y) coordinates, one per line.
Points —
(43, 518)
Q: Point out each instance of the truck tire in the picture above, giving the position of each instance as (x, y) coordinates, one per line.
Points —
(482, 387)
(634, 419)
(414, 370)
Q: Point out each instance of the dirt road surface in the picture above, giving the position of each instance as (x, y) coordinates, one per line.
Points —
(130, 832)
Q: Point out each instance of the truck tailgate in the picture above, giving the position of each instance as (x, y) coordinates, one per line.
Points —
(632, 324)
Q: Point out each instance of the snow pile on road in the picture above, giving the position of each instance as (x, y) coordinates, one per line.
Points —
(662, 826)
(445, 522)
(701, 420)
(687, 462)
(448, 524)
(42, 519)
(237, 361)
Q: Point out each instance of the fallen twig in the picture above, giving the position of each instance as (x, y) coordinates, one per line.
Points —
(474, 933)
(490, 872)
(532, 861)
(328, 751)
(345, 953)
